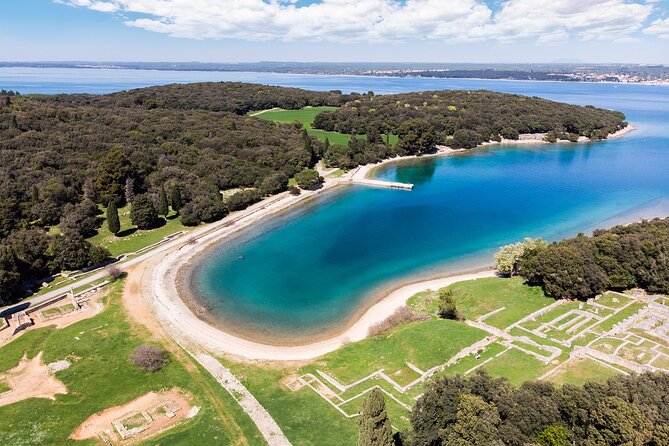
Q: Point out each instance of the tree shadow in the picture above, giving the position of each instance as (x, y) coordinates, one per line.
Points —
(126, 232)
(172, 217)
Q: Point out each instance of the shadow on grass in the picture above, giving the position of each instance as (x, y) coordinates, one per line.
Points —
(126, 232)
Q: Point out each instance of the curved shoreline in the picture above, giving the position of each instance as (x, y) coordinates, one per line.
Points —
(167, 300)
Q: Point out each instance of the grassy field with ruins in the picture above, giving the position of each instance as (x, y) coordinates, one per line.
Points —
(100, 375)
(510, 330)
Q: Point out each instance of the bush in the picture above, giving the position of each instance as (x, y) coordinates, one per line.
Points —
(114, 272)
(400, 316)
(149, 358)
(294, 190)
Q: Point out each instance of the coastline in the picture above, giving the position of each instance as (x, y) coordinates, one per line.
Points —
(169, 300)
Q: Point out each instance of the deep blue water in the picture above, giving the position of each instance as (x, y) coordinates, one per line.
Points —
(312, 268)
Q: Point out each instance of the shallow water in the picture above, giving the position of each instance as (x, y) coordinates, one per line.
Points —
(311, 269)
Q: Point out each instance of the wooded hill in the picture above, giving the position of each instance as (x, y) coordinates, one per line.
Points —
(465, 119)
(234, 97)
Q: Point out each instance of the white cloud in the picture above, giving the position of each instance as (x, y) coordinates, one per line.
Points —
(385, 20)
(659, 28)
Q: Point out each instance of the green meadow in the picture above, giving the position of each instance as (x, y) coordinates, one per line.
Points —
(306, 116)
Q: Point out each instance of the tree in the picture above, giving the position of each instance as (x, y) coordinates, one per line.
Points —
(275, 183)
(70, 252)
(143, 214)
(129, 190)
(447, 307)
(416, 136)
(308, 179)
(175, 198)
(617, 422)
(242, 199)
(81, 217)
(10, 277)
(374, 425)
(203, 208)
(89, 189)
(554, 436)
(113, 170)
(508, 257)
(163, 205)
(113, 222)
(476, 424)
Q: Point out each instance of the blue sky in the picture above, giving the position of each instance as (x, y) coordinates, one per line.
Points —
(336, 30)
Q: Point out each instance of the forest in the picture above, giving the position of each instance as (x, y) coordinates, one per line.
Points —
(485, 411)
(64, 158)
(465, 119)
(620, 258)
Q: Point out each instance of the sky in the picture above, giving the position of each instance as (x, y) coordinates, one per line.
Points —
(493, 31)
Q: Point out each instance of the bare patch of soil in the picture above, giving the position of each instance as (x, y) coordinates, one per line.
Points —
(102, 423)
(30, 379)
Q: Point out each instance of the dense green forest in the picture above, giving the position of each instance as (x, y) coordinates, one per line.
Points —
(620, 258)
(483, 411)
(64, 157)
(465, 119)
(60, 156)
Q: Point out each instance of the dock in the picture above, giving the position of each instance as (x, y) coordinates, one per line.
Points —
(375, 183)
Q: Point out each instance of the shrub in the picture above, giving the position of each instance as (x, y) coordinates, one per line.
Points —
(400, 316)
(114, 272)
(149, 358)
(294, 190)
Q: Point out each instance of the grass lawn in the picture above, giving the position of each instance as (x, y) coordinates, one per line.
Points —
(609, 323)
(305, 418)
(4, 387)
(475, 298)
(516, 366)
(306, 116)
(102, 376)
(130, 239)
(580, 371)
(424, 344)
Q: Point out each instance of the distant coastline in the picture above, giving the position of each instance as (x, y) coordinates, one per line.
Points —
(594, 73)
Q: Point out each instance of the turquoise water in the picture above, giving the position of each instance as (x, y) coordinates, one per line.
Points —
(311, 269)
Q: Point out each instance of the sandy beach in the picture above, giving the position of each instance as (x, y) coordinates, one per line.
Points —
(161, 275)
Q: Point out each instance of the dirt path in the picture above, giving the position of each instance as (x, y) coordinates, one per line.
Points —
(142, 317)
(30, 379)
(137, 291)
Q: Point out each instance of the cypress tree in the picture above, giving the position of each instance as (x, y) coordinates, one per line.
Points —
(163, 206)
(113, 222)
(374, 424)
(175, 198)
(34, 194)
